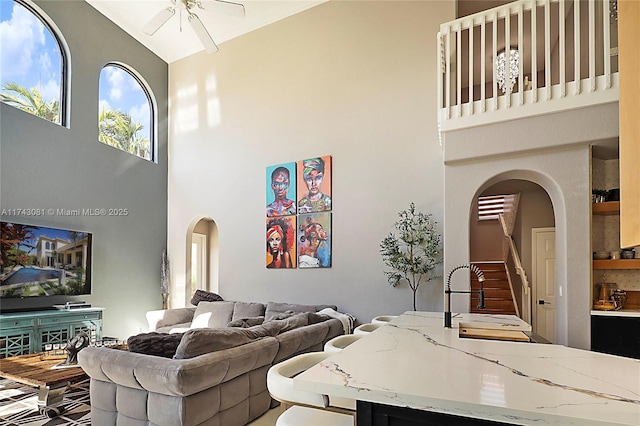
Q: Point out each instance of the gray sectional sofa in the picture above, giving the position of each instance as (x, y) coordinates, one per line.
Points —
(217, 375)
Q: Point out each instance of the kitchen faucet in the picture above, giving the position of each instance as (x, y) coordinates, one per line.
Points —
(448, 291)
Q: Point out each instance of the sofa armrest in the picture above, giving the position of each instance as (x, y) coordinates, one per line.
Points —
(175, 377)
(168, 317)
(309, 338)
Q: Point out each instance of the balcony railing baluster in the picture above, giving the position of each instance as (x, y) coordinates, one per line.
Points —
(471, 96)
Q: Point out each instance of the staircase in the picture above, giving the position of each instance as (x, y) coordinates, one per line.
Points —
(498, 298)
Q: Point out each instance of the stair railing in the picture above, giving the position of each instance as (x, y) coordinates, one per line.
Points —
(518, 268)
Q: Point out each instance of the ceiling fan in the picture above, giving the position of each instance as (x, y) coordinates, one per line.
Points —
(231, 8)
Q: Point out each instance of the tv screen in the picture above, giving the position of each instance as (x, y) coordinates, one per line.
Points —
(36, 261)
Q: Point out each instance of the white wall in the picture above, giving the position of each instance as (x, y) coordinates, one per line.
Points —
(355, 80)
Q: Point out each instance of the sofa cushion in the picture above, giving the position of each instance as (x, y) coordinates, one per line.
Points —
(274, 308)
(201, 341)
(248, 310)
(212, 314)
(205, 296)
(158, 344)
(246, 322)
(294, 321)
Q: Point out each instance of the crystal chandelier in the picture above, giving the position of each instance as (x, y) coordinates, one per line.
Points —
(501, 69)
(613, 10)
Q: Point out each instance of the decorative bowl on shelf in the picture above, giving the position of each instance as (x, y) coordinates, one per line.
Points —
(605, 305)
(627, 254)
(600, 255)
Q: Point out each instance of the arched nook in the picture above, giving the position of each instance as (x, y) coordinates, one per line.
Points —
(201, 257)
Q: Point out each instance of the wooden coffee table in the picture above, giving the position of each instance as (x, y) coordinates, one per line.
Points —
(35, 370)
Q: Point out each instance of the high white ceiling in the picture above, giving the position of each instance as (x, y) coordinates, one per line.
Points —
(176, 39)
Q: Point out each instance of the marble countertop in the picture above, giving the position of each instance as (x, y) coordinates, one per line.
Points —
(618, 313)
(415, 362)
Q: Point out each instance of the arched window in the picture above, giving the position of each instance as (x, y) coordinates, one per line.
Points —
(125, 118)
(33, 61)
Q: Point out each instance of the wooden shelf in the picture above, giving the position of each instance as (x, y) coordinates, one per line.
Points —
(606, 208)
(617, 264)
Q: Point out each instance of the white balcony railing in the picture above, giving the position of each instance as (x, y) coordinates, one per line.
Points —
(567, 59)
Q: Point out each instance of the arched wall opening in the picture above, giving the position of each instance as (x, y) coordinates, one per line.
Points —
(201, 257)
(487, 243)
(565, 176)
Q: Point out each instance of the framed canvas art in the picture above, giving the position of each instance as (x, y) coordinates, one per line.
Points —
(281, 180)
(281, 242)
(314, 240)
(314, 191)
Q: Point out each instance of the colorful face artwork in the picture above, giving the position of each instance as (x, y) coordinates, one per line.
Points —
(312, 238)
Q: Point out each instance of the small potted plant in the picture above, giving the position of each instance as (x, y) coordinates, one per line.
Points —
(413, 252)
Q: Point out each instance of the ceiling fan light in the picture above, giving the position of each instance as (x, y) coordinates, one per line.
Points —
(202, 33)
(159, 20)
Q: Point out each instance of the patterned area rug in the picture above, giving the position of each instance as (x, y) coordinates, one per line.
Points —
(19, 406)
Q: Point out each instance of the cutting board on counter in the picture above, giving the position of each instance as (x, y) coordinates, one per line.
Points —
(491, 331)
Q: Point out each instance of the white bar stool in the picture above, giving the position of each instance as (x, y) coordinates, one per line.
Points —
(383, 319)
(280, 385)
(366, 328)
(340, 342)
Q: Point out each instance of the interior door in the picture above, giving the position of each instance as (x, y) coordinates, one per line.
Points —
(544, 282)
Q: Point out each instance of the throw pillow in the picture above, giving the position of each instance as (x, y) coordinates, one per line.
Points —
(246, 322)
(248, 310)
(315, 318)
(282, 316)
(274, 308)
(212, 314)
(158, 344)
(201, 341)
(206, 296)
(294, 321)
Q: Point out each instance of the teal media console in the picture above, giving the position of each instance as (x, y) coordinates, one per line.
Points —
(28, 332)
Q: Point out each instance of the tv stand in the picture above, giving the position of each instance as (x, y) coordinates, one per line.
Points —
(24, 333)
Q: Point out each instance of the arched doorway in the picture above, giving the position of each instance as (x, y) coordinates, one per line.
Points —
(516, 253)
(201, 257)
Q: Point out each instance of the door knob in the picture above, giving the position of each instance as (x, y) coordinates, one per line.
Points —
(543, 302)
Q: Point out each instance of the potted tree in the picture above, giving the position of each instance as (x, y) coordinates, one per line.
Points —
(413, 252)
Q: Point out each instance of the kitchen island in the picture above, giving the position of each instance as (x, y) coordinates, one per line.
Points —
(416, 365)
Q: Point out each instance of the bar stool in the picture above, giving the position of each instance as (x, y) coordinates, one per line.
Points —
(383, 319)
(338, 343)
(315, 408)
(366, 328)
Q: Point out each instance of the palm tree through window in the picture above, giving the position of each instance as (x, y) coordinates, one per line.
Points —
(125, 114)
(32, 63)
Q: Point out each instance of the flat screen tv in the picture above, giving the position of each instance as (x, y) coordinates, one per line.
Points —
(37, 261)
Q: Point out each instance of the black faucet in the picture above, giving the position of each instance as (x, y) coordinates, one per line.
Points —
(448, 291)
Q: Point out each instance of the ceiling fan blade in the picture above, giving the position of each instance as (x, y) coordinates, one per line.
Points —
(230, 8)
(202, 33)
(159, 20)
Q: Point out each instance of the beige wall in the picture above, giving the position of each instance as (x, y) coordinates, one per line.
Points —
(353, 79)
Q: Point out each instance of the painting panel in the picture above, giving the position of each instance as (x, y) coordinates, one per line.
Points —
(281, 242)
(281, 181)
(314, 191)
(314, 240)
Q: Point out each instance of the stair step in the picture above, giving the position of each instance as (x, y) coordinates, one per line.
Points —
(497, 292)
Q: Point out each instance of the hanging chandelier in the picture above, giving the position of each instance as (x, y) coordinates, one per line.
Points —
(501, 69)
